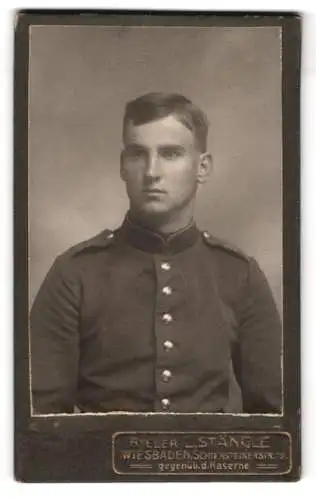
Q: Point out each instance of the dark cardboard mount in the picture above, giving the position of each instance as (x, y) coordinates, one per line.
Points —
(88, 448)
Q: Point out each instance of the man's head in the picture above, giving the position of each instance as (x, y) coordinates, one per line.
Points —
(164, 157)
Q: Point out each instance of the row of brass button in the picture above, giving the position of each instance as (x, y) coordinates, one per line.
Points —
(168, 344)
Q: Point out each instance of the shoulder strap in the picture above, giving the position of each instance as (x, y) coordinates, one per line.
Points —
(213, 242)
(100, 241)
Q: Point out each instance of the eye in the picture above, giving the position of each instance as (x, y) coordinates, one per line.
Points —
(134, 153)
(171, 153)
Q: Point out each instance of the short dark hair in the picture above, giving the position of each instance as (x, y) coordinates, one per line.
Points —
(155, 105)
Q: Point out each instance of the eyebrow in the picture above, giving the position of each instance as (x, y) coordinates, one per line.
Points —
(169, 146)
(160, 146)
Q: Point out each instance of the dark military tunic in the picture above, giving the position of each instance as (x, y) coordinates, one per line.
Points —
(133, 321)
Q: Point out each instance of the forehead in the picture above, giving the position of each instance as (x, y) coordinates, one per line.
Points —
(166, 130)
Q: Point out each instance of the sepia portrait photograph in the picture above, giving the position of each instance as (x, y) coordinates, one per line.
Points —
(155, 220)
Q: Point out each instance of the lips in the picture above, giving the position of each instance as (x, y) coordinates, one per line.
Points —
(153, 191)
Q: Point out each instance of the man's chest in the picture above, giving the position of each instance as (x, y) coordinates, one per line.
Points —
(166, 308)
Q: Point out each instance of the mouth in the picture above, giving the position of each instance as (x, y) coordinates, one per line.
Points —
(153, 191)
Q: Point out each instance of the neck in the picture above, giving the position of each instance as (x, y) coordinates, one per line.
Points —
(164, 224)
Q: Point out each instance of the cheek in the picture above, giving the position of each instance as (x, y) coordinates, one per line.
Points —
(183, 176)
(132, 177)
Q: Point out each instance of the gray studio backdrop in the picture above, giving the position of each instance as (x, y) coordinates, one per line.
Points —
(80, 79)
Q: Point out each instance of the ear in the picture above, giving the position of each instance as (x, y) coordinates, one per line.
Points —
(205, 167)
(122, 167)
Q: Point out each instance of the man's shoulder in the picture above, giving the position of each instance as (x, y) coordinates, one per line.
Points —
(100, 241)
(223, 247)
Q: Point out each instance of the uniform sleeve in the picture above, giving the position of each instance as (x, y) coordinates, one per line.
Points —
(260, 342)
(54, 334)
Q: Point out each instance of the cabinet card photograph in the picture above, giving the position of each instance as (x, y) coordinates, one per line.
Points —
(157, 244)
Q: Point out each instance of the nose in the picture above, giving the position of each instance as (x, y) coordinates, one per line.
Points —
(153, 165)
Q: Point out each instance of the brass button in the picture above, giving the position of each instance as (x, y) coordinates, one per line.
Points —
(165, 403)
(110, 236)
(168, 345)
(166, 375)
(165, 266)
(167, 318)
(167, 290)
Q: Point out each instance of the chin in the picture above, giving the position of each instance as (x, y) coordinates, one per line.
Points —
(152, 210)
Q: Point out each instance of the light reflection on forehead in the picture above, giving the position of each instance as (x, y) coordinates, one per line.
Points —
(163, 133)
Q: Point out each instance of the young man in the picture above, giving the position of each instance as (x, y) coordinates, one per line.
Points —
(156, 315)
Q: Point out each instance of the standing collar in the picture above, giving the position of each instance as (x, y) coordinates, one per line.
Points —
(149, 241)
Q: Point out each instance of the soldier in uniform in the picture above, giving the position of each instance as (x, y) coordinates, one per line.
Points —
(157, 315)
